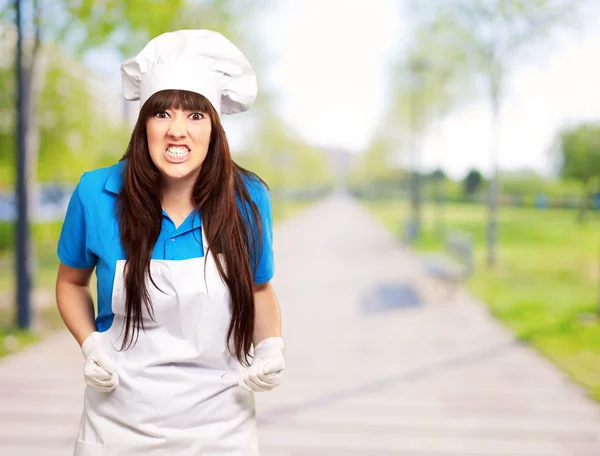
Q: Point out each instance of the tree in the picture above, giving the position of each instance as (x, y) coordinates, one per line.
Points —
(492, 32)
(472, 182)
(580, 159)
(375, 163)
(74, 134)
(282, 158)
(430, 82)
(284, 161)
(438, 175)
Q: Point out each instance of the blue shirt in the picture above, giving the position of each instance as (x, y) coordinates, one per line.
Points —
(90, 234)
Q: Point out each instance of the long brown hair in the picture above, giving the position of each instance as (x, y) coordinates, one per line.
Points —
(231, 219)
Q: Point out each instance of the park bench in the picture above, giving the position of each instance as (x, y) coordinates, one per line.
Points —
(409, 231)
(457, 263)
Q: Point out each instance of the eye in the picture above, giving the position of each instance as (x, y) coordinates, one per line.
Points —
(196, 116)
(161, 115)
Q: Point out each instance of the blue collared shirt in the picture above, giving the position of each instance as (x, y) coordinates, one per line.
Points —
(90, 234)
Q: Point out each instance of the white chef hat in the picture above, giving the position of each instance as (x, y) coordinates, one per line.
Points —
(200, 61)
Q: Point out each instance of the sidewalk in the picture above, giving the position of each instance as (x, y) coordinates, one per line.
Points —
(435, 376)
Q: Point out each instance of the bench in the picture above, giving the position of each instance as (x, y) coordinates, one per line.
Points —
(457, 263)
(409, 232)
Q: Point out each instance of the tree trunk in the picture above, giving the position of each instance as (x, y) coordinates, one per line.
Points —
(492, 232)
(440, 182)
(34, 78)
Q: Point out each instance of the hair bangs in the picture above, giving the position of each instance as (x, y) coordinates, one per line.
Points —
(177, 99)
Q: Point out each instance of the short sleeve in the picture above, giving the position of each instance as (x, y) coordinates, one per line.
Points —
(266, 268)
(72, 247)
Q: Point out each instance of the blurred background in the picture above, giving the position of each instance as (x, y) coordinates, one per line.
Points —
(469, 128)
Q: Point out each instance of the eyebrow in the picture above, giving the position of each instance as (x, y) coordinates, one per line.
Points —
(186, 110)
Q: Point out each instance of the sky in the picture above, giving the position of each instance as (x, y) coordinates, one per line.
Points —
(333, 74)
(330, 67)
(543, 95)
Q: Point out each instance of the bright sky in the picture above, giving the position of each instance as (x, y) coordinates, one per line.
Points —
(557, 90)
(332, 77)
(329, 67)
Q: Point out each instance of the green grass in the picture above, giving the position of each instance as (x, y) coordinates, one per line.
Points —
(48, 320)
(545, 285)
(12, 339)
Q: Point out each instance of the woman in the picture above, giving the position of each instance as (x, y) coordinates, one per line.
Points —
(180, 237)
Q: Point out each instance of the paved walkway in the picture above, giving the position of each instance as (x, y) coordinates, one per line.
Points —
(435, 377)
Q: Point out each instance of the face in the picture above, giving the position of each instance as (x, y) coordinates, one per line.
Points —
(178, 142)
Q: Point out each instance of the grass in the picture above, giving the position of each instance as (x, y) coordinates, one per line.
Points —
(11, 339)
(47, 319)
(545, 285)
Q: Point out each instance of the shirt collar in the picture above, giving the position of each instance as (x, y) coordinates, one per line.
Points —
(114, 183)
(192, 222)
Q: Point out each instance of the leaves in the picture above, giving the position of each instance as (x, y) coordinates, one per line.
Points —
(472, 182)
(76, 133)
(580, 152)
(283, 159)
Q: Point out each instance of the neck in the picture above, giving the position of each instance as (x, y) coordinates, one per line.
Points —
(177, 192)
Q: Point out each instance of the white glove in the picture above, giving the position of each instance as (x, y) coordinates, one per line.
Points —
(267, 367)
(99, 371)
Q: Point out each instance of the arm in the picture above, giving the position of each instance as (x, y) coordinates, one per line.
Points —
(73, 296)
(267, 315)
(74, 300)
(268, 362)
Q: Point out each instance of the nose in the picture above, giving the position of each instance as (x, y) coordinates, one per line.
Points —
(177, 128)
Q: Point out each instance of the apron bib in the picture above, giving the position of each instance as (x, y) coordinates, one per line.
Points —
(178, 392)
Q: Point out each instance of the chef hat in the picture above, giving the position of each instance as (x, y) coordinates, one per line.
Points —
(200, 61)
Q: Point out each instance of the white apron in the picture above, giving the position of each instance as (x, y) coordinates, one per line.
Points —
(178, 392)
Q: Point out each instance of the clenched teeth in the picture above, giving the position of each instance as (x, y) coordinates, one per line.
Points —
(177, 151)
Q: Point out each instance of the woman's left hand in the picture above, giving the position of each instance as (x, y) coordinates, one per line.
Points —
(267, 367)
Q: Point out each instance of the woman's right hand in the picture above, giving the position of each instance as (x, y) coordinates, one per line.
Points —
(99, 371)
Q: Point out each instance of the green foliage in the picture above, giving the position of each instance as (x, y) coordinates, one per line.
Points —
(472, 182)
(72, 130)
(75, 133)
(283, 160)
(432, 77)
(580, 156)
(580, 152)
(44, 236)
(438, 175)
(12, 340)
(375, 165)
(531, 184)
(7, 119)
(80, 25)
(6, 236)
